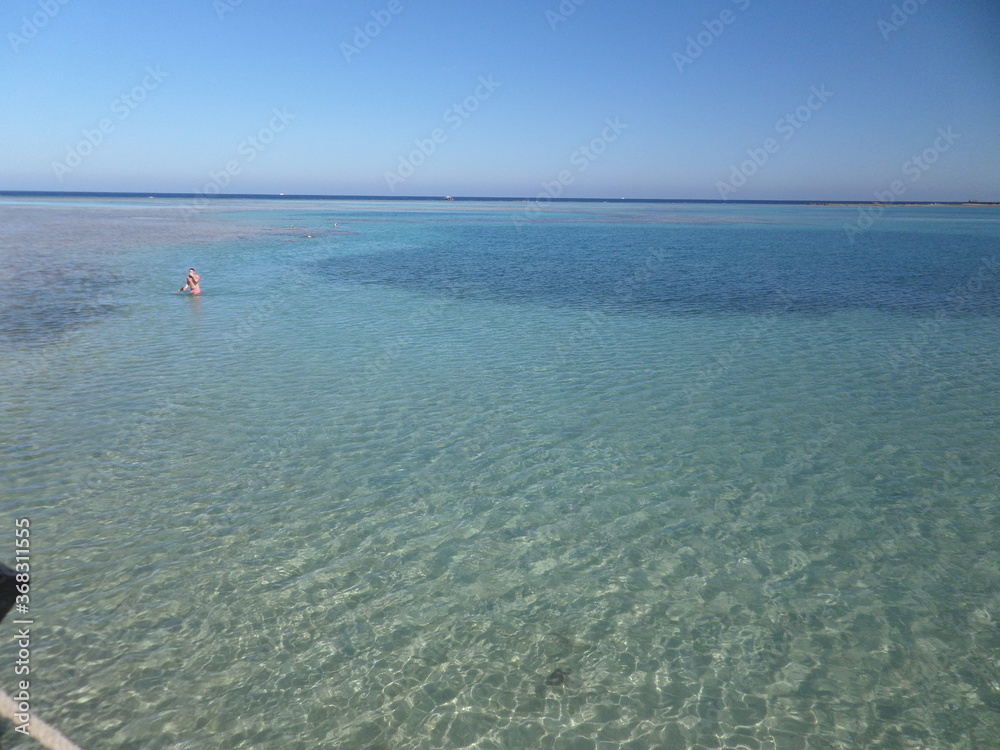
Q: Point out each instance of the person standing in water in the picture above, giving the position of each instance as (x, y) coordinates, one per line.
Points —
(193, 280)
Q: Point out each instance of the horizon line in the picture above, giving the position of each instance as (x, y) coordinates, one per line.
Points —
(526, 199)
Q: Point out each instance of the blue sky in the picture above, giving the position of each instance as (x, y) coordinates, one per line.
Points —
(732, 99)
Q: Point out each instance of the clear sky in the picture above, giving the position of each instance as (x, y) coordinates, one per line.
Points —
(734, 99)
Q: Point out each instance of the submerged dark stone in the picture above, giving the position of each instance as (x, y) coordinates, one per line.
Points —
(8, 589)
(558, 678)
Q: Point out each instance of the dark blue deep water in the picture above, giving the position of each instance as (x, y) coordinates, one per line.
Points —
(678, 269)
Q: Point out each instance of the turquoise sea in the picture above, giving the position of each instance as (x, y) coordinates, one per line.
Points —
(428, 474)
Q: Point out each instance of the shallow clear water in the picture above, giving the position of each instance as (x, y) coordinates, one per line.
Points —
(731, 473)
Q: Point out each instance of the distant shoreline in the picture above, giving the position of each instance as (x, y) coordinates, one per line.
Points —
(441, 198)
(885, 205)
